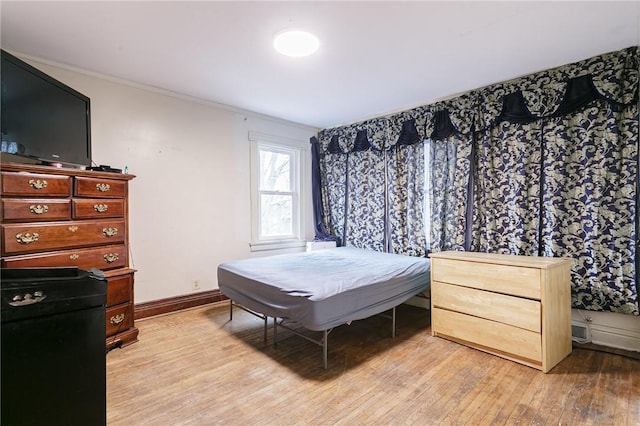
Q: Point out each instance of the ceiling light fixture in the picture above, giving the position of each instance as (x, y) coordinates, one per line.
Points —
(296, 43)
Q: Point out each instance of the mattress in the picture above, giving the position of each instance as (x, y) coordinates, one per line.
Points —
(323, 289)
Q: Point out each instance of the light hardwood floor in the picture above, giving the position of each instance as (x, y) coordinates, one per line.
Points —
(198, 368)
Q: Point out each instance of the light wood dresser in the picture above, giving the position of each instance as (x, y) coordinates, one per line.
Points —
(516, 307)
(54, 217)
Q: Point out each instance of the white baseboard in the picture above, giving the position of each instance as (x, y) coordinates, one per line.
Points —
(608, 329)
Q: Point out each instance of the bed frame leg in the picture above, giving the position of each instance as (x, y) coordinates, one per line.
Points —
(264, 317)
(393, 322)
(266, 320)
(325, 362)
(275, 331)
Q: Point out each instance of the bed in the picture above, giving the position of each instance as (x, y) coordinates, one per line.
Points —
(320, 290)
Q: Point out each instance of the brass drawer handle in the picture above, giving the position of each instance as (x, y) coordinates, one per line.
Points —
(27, 237)
(103, 187)
(74, 256)
(38, 184)
(38, 209)
(116, 319)
(73, 228)
(100, 208)
(110, 232)
(111, 257)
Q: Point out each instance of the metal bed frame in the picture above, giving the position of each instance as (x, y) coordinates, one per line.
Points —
(323, 342)
(254, 313)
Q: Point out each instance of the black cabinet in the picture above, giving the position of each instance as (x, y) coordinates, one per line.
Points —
(53, 354)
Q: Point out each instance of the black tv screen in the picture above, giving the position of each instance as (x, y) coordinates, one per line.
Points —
(42, 118)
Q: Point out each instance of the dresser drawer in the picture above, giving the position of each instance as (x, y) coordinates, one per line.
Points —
(119, 318)
(99, 188)
(94, 208)
(506, 279)
(107, 257)
(120, 289)
(35, 185)
(488, 334)
(31, 210)
(35, 237)
(519, 312)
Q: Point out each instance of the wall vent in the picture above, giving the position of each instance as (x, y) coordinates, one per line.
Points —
(578, 332)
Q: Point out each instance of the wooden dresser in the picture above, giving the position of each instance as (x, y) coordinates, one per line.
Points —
(516, 307)
(55, 217)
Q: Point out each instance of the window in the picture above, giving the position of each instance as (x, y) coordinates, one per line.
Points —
(277, 217)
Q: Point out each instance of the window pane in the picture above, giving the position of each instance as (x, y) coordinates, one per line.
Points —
(277, 214)
(275, 171)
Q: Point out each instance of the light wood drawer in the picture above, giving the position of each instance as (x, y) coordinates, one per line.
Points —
(489, 334)
(31, 210)
(119, 289)
(119, 318)
(517, 281)
(519, 312)
(94, 208)
(39, 237)
(102, 188)
(107, 257)
(35, 185)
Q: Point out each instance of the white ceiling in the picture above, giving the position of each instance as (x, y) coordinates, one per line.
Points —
(375, 57)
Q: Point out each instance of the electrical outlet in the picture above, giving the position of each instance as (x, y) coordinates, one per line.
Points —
(195, 285)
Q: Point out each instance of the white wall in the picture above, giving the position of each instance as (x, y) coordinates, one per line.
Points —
(189, 204)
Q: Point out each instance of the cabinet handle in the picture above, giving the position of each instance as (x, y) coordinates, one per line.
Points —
(28, 299)
(116, 319)
(27, 237)
(103, 187)
(38, 184)
(38, 209)
(74, 256)
(100, 208)
(110, 232)
(73, 228)
(111, 257)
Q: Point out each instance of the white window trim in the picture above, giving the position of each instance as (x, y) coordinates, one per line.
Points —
(300, 149)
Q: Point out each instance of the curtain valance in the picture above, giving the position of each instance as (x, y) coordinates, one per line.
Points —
(612, 77)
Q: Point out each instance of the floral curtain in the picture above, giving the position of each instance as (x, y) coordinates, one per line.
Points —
(333, 173)
(448, 192)
(543, 165)
(506, 202)
(374, 188)
(365, 206)
(590, 203)
(405, 187)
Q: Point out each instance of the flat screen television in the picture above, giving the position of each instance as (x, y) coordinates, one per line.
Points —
(42, 118)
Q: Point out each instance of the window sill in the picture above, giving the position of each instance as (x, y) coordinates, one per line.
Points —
(276, 245)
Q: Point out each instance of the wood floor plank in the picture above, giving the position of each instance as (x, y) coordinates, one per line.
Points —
(583, 390)
(198, 368)
(556, 397)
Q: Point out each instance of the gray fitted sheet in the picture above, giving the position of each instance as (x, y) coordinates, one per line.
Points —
(326, 288)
